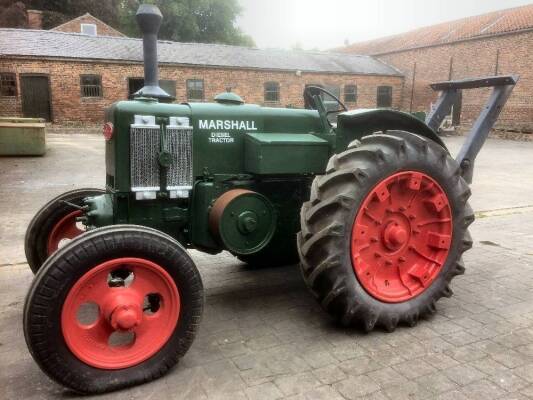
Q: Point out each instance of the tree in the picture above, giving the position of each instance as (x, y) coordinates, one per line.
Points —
(12, 14)
(205, 21)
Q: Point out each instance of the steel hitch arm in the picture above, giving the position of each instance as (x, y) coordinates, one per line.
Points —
(450, 93)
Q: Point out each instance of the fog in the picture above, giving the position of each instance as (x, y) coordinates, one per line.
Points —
(312, 24)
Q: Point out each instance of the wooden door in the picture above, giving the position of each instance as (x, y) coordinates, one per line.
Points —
(35, 94)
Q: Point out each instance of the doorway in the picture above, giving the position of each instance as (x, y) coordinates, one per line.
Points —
(35, 95)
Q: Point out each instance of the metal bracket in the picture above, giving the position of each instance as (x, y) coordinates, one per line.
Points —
(450, 91)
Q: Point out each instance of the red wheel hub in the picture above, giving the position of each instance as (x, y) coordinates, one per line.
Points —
(132, 299)
(65, 229)
(401, 236)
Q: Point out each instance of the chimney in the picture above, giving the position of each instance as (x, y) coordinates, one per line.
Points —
(35, 19)
(149, 20)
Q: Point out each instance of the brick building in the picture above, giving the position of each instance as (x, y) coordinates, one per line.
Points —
(497, 43)
(68, 75)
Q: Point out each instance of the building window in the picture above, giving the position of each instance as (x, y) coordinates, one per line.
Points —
(272, 92)
(8, 84)
(168, 86)
(384, 96)
(195, 89)
(91, 85)
(88, 29)
(350, 93)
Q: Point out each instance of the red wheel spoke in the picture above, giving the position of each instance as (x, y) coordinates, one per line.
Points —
(429, 258)
(97, 333)
(401, 236)
(439, 241)
(143, 282)
(65, 228)
(434, 221)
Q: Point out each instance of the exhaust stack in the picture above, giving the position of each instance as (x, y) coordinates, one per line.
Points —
(149, 20)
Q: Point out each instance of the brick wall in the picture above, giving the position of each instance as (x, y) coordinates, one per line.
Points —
(74, 25)
(69, 108)
(511, 53)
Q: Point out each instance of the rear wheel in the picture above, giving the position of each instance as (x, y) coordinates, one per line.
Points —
(117, 307)
(54, 225)
(383, 233)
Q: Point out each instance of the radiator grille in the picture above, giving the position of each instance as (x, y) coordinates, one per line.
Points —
(179, 144)
(144, 152)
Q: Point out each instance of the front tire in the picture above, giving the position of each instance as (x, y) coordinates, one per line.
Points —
(115, 308)
(54, 224)
(369, 249)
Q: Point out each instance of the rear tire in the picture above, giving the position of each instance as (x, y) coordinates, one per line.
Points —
(327, 220)
(162, 274)
(36, 241)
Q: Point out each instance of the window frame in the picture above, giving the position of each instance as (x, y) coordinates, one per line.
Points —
(13, 75)
(194, 80)
(378, 96)
(350, 93)
(276, 91)
(100, 88)
(89, 34)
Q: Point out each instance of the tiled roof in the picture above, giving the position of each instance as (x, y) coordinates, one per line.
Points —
(48, 44)
(494, 23)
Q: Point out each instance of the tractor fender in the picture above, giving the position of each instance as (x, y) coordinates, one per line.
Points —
(356, 124)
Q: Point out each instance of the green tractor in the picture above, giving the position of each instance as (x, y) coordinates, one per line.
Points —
(373, 207)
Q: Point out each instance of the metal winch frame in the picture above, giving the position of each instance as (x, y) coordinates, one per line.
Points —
(451, 92)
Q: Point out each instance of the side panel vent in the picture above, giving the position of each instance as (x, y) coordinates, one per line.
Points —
(144, 152)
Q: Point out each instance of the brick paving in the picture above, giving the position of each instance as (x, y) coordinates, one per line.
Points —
(264, 337)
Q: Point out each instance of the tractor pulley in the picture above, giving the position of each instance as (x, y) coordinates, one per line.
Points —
(243, 220)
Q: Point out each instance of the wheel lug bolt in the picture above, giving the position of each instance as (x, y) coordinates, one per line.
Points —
(388, 262)
(412, 216)
(401, 259)
(374, 239)
(377, 255)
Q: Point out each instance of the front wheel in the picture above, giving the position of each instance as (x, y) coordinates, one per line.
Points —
(384, 231)
(54, 225)
(117, 307)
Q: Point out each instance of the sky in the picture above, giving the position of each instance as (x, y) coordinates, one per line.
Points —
(326, 24)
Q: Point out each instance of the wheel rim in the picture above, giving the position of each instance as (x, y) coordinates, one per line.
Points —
(65, 229)
(135, 308)
(401, 236)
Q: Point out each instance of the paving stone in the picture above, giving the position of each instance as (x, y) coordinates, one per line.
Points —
(266, 391)
(329, 374)
(359, 365)
(464, 374)
(320, 393)
(452, 395)
(525, 372)
(482, 390)
(415, 368)
(512, 358)
(508, 381)
(387, 377)
(299, 383)
(440, 361)
(436, 383)
(407, 391)
(356, 386)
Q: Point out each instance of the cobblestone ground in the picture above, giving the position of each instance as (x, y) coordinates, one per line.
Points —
(263, 336)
